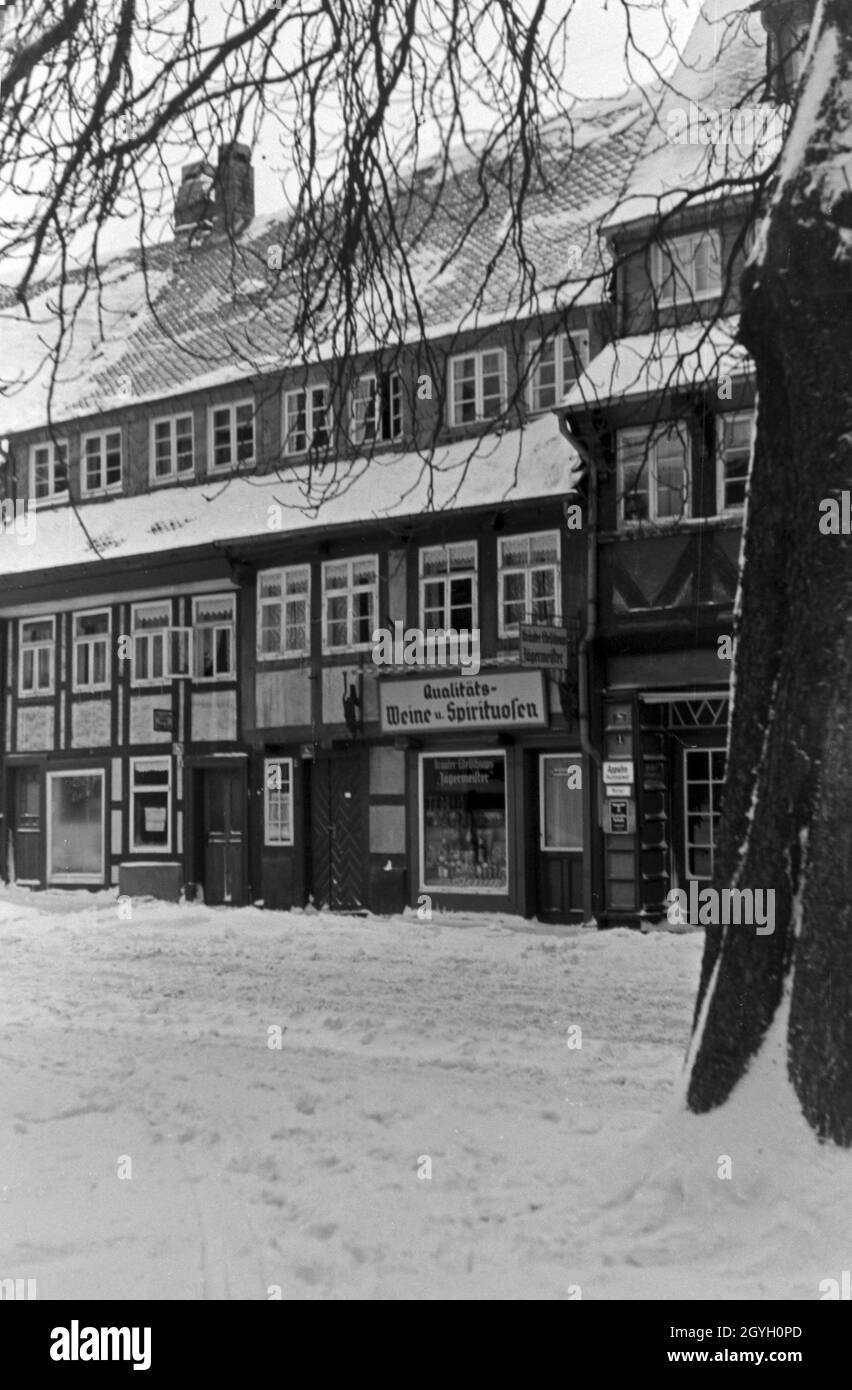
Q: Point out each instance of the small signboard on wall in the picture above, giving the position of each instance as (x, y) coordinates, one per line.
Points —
(620, 817)
(164, 721)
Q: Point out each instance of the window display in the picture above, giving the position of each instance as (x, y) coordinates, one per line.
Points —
(463, 819)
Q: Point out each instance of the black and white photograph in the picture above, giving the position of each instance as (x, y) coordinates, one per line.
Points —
(425, 603)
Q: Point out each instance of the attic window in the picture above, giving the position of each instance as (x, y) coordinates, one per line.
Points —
(787, 37)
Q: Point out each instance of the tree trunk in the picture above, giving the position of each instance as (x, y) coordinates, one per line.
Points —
(787, 816)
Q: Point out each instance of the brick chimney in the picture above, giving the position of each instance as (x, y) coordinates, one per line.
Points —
(211, 199)
(787, 24)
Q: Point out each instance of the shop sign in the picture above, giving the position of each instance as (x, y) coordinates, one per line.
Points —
(482, 702)
(545, 647)
(164, 721)
(620, 817)
(616, 789)
(617, 772)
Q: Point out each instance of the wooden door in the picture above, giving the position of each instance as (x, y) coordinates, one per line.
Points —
(559, 837)
(223, 834)
(28, 825)
(338, 831)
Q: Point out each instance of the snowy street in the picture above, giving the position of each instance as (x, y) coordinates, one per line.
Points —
(141, 1047)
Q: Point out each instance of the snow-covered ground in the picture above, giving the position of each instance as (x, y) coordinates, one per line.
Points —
(142, 1046)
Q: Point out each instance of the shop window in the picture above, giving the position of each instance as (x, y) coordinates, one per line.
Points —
(653, 473)
(554, 366)
(529, 583)
(151, 803)
(704, 777)
(213, 621)
(278, 801)
(350, 599)
(734, 451)
(75, 824)
(561, 802)
(91, 650)
(283, 612)
(448, 587)
(37, 656)
(463, 820)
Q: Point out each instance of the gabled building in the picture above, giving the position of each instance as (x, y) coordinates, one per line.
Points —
(209, 535)
(664, 414)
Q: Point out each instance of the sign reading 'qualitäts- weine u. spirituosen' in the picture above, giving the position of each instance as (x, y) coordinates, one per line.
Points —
(453, 702)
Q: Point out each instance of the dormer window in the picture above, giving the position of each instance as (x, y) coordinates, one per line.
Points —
(787, 24)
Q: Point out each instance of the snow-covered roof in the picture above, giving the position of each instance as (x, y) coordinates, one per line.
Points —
(203, 315)
(534, 462)
(711, 122)
(671, 359)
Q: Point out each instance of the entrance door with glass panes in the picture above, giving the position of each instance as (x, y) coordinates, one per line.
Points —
(702, 777)
(559, 838)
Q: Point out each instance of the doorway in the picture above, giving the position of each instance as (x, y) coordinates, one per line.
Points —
(559, 838)
(338, 830)
(27, 849)
(222, 798)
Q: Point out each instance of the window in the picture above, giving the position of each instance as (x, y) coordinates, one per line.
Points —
(213, 622)
(91, 650)
(561, 790)
(787, 41)
(172, 452)
(283, 612)
(101, 461)
(734, 444)
(477, 386)
(150, 804)
(463, 823)
(653, 474)
(38, 647)
(232, 435)
(307, 420)
(350, 600)
(687, 268)
(448, 587)
(49, 469)
(376, 409)
(160, 651)
(278, 801)
(554, 367)
(528, 577)
(704, 778)
(75, 827)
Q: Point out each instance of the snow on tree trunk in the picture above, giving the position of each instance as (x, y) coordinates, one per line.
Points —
(787, 817)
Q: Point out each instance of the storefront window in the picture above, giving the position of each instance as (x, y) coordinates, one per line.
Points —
(76, 823)
(463, 819)
(561, 802)
(150, 797)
